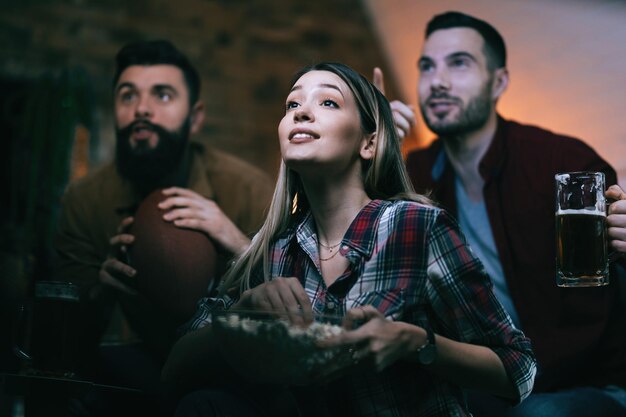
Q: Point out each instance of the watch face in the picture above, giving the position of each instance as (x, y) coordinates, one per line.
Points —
(427, 354)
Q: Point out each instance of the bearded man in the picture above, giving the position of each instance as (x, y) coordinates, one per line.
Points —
(497, 176)
(158, 113)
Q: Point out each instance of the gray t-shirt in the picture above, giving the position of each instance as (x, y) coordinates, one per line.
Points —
(476, 227)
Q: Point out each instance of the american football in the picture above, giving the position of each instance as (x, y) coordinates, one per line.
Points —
(174, 266)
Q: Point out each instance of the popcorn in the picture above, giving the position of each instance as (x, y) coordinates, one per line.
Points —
(277, 343)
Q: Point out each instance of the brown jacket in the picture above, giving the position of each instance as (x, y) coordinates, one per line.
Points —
(93, 207)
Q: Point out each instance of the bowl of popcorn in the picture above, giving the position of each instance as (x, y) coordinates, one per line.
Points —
(266, 347)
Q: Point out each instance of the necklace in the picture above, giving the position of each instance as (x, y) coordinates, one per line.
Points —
(331, 247)
(330, 257)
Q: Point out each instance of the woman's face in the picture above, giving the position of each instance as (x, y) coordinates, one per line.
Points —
(321, 130)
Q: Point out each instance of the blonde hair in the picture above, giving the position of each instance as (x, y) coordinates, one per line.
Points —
(384, 176)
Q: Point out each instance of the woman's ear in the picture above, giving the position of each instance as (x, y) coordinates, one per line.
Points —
(368, 146)
(197, 117)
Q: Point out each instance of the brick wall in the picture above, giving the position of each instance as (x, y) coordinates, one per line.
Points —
(245, 51)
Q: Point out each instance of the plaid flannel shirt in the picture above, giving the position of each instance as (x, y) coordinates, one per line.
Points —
(413, 264)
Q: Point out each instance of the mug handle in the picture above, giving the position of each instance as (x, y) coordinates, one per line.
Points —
(19, 335)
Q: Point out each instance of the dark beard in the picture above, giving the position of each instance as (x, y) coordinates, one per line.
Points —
(472, 118)
(148, 168)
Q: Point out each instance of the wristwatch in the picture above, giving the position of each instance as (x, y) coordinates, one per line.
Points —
(427, 353)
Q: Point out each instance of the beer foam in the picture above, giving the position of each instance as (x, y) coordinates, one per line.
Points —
(586, 212)
(562, 178)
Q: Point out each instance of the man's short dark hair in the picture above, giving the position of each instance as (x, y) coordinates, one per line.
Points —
(158, 52)
(495, 49)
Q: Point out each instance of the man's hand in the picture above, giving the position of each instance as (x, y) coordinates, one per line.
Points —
(189, 210)
(403, 115)
(616, 219)
(284, 296)
(116, 272)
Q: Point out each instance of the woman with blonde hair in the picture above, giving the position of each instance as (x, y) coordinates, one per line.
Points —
(346, 235)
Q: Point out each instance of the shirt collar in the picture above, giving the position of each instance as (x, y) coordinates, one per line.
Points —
(360, 236)
(440, 165)
(201, 163)
(494, 159)
(491, 163)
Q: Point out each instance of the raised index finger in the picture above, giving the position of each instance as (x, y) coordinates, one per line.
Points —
(378, 79)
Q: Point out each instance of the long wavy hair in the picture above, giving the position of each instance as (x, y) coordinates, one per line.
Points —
(384, 176)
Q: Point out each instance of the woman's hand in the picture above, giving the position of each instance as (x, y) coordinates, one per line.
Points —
(378, 339)
(189, 210)
(284, 296)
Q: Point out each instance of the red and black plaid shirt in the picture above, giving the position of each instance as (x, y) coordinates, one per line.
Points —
(412, 263)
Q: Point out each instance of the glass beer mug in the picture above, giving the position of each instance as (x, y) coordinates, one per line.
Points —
(581, 233)
(47, 332)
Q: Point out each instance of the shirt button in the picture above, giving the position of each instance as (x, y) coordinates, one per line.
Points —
(330, 305)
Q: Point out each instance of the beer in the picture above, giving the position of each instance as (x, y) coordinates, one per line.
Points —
(49, 325)
(581, 247)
